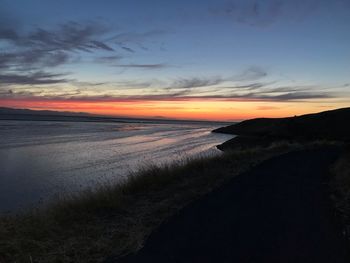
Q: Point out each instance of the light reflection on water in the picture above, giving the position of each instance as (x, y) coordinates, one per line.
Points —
(39, 160)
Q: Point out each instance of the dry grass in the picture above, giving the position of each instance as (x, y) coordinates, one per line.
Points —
(117, 218)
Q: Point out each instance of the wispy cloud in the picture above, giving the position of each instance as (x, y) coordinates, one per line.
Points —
(130, 41)
(247, 87)
(112, 60)
(255, 93)
(128, 49)
(250, 74)
(33, 59)
(144, 66)
(50, 48)
(37, 78)
(32, 54)
(196, 82)
(70, 36)
(42, 50)
(300, 96)
(132, 37)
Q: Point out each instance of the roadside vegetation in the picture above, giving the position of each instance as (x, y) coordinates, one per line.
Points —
(340, 186)
(116, 219)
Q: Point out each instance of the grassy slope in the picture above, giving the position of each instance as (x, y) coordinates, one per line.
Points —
(117, 218)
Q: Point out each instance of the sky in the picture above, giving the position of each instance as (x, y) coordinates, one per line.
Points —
(184, 59)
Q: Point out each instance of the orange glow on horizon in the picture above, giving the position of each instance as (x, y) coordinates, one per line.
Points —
(214, 110)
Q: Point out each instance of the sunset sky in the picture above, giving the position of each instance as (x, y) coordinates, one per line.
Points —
(212, 60)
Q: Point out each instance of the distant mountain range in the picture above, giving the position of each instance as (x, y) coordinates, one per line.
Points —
(5, 111)
(47, 115)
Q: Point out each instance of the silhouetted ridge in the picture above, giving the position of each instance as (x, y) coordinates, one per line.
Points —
(328, 125)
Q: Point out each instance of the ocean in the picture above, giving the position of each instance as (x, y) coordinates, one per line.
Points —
(42, 160)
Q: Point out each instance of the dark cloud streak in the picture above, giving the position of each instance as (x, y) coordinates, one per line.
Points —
(250, 74)
(38, 78)
(43, 48)
(108, 59)
(182, 95)
(195, 82)
(34, 52)
(130, 50)
(143, 66)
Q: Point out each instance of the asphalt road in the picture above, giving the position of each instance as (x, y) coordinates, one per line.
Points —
(277, 212)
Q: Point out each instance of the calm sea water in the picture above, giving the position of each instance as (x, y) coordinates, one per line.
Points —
(40, 160)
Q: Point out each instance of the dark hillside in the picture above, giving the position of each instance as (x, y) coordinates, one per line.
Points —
(328, 125)
(333, 124)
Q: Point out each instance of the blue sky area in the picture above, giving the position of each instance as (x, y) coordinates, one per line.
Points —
(270, 51)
